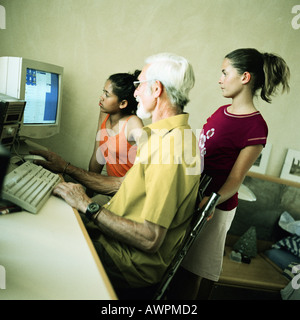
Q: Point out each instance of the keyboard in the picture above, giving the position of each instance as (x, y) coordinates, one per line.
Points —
(29, 186)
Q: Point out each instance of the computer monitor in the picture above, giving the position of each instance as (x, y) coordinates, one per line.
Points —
(40, 85)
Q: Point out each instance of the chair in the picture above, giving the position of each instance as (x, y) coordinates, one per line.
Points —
(204, 182)
(157, 292)
(201, 217)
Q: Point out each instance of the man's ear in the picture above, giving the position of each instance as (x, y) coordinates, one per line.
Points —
(123, 104)
(246, 77)
(157, 89)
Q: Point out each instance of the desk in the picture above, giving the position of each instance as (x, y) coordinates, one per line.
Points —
(260, 274)
(50, 256)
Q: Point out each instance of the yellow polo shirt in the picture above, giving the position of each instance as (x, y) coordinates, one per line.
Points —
(161, 187)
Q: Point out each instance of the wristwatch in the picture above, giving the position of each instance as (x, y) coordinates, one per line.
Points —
(92, 208)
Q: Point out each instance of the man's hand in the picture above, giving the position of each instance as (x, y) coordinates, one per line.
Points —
(145, 236)
(73, 194)
(53, 162)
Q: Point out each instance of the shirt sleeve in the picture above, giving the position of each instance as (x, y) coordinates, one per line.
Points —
(257, 133)
(162, 183)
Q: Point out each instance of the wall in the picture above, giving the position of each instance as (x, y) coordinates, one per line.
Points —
(92, 39)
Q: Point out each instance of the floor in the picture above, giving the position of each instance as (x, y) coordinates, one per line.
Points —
(233, 293)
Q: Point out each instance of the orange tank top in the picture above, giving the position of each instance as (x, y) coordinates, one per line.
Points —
(119, 154)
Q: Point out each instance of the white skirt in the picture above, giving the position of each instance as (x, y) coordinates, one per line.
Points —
(205, 257)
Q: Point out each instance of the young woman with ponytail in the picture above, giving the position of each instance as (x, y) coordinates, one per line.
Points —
(232, 139)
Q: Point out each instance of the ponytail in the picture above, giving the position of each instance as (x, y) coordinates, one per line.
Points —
(268, 71)
(276, 73)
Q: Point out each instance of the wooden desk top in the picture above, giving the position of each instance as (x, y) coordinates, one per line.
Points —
(49, 256)
(260, 273)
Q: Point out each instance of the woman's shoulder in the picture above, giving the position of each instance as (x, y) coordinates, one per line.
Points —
(134, 126)
(135, 122)
(219, 111)
(224, 107)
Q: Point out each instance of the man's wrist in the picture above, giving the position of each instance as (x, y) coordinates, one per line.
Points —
(92, 209)
(65, 168)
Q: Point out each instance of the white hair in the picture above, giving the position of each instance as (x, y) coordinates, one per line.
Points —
(175, 73)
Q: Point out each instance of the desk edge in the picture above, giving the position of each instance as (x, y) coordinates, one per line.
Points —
(96, 257)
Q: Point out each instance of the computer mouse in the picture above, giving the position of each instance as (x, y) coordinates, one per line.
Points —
(33, 157)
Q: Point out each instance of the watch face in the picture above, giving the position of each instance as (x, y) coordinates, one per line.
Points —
(93, 207)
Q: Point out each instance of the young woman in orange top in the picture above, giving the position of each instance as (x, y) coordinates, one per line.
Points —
(118, 126)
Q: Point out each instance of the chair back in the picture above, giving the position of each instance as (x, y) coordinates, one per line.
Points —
(201, 216)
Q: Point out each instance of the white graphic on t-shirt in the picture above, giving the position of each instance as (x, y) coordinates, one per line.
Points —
(210, 133)
(203, 138)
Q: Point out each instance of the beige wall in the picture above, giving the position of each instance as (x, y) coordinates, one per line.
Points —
(92, 39)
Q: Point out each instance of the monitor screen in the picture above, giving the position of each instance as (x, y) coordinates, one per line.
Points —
(40, 85)
(41, 95)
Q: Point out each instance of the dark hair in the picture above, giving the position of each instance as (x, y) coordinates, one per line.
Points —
(267, 70)
(123, 88)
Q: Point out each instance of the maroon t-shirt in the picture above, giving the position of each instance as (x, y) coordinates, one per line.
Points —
(222, 138)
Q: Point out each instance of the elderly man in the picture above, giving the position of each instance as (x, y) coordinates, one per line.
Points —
(144, 223)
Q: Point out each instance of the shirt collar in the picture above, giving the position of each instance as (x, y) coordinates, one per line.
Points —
(171, 122)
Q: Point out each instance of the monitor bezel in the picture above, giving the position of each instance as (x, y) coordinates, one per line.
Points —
(40, 131)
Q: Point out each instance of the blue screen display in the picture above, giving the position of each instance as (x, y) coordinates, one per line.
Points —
(41, 95)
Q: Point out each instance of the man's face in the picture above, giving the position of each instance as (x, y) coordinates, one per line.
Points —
(144, 96)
